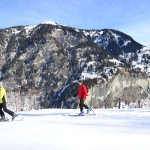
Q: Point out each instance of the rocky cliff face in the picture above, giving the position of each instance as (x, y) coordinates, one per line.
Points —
(38, 63)
(122, 88)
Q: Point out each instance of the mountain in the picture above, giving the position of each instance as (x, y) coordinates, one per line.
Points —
(38, 63)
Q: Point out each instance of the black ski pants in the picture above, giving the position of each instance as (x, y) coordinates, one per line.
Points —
(4, 107)
(1, 112)
(82, 105)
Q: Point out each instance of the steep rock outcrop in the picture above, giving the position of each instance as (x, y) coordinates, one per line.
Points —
(121, 88)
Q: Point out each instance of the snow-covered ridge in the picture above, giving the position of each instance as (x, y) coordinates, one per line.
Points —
(28, 28)
(31, 27)
(50, 22)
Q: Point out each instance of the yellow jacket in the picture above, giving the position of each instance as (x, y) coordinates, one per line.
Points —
(2, 93)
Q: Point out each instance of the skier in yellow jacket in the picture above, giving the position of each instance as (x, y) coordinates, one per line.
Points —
(3, 101)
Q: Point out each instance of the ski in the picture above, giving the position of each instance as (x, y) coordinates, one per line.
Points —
(13, 119)
(5, 119)
(85, 114)
(16, 118)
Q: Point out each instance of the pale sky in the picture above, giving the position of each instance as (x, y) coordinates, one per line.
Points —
(129, 16)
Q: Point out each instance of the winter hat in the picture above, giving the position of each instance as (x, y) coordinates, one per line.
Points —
(81, 80)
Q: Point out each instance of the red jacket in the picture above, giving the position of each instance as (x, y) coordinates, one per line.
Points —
(82, 92)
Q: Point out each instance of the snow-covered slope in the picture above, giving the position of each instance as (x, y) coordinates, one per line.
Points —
(57, 129)
(143, 60)
(114, 41)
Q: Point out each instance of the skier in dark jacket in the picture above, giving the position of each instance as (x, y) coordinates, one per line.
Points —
(82, 93)
(3, 101)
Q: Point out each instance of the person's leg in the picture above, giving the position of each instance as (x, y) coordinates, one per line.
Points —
(1, 112)
(84, 105)
(11, 113)
(81, 105)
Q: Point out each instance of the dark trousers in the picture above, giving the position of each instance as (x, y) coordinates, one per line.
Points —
(82, 105)
(3, 105)
(1, 112)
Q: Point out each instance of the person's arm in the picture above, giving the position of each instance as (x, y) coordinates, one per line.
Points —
(5, 97)
(76, 92)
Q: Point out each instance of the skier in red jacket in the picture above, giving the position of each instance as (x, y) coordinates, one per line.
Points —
(82, 93)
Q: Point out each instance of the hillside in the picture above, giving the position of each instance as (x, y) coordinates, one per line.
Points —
(38, 63)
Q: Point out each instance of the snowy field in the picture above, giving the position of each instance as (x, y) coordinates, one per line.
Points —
(58, 129)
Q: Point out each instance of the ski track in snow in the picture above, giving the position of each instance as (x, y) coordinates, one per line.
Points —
(57, 129)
